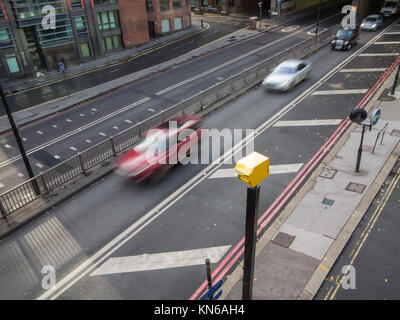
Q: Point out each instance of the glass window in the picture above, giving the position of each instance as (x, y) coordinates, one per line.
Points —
(149, 6)
(104, 1)
(4, 36)
(177, 4)
(178, 24)
(164, 5)
(110, 43)
(165, 26)
(188, 20)
(12, 64)
(85, 49)
(106, 20)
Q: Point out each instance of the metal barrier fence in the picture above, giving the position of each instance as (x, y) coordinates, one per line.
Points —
(53, 178)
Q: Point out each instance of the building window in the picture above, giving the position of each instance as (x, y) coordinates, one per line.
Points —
(232, 3)
(5, 39)
(165, 26)
(106, 20)
(164, 5)
(85, 50)
(80, 24)
(76, 3)
(104, 1)
(177, 4)
(177, 24)
(149, 6)
(12, 64)
(110, 43)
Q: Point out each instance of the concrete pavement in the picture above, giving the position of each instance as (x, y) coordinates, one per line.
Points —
(295, 254)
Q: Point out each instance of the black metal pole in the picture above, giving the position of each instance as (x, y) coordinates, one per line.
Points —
(396, 78)
(208, 272)
(360, 149)
(19, 141)
(319, 16)
(253, 196)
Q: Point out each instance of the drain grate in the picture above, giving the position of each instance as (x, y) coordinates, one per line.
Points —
(328, 173)
(395, 132)
(356, 187)
(283, 239)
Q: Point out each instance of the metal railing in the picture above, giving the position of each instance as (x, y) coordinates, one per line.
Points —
(55, 177)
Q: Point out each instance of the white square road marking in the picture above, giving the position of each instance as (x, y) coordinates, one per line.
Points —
(328, 92)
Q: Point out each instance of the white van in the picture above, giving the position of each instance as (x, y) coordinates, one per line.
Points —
(390, 8)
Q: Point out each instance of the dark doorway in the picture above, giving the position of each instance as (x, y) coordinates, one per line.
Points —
(152, 31)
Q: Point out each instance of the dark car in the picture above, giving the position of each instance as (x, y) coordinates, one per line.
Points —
(345, 39)
(160, 149)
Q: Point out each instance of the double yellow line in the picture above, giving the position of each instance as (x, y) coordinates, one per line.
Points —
(364, 235)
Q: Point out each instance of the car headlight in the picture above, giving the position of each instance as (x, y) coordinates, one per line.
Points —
(333, 41)
(362, 24)
(284, 84)
(346, 42)
(374, 26)
(393, 11)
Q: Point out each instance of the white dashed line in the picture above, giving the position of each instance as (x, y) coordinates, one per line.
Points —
(73, 148)
(19, 174)
(56, 156)
(387, 42)
(39, 132)
(81, 114)
(68, 120)
(151, 110)
(23, 139)
(116, 128)
(39, 165)
(327, 92)
(93, 109)
(88, 141)
(301, 123)
(1, 185)
(364, 70)
(378, 54)
(102, 134)
(7, 146)
(55, 126)
(128, 121)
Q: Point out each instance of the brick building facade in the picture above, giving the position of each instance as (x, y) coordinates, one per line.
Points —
(83, 30)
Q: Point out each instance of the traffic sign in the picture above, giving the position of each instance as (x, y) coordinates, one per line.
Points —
(375, 116)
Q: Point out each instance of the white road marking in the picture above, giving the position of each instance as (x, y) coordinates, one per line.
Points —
(109, 248)
(57, 156)
(379, 54)
(1, 185)
(115, 127)
(73, 148)
(75, 131)
(273, 169)
(81, 114)
(93, 109)
(128, 121)
(88, 141)
(301, 123)
(151, 110)
(39, 132)
(328, 92)
(24, 139)
(55, 126)
(102, 134)
(19, 174)
(157, 261)
(392, 33)
(7, 146)
(39, 165)
(387, 42)
(68, 120)
(364, 70)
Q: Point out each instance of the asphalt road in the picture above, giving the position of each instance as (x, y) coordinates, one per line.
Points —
(372, 251)
(60, 136)
(189, 209)
(34, 96)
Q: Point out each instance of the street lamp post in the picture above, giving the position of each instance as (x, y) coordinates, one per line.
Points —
(318, 18)
(19, 141)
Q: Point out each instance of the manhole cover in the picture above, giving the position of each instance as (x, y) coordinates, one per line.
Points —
(395, 132)
(356, 187)
(283, 239)
(328, 202)
(328, 173)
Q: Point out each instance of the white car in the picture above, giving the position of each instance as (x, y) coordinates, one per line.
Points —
(287, 75)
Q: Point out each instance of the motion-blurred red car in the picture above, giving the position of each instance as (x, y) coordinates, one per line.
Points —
(160, 149)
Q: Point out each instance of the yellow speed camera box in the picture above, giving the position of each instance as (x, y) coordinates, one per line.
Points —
(253, 169)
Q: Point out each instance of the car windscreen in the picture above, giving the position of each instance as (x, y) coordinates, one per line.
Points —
(285, 69)
(390, 4)
(153, 142)
(344, 34)
(371, 19)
